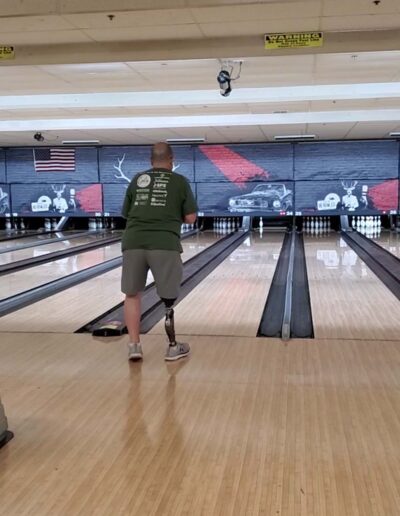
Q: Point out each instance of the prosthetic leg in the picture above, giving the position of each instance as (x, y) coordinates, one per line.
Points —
(176, 350)
(169, 321)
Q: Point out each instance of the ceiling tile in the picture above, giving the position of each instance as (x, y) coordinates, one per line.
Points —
(256, 11)
(258, 27)
(359, 7)
(146, 33)
(147, 18)
(372, 130)
(34, 24)
(361, 22)
(45, 37)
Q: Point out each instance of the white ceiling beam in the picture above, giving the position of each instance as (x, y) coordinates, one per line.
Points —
(327, 117)
(197, 48)
(203, 97)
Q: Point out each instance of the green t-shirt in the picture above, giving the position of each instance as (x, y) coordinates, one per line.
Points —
(155, 204)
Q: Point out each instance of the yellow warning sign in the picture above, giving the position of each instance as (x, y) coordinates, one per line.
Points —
(7, 52)
(293, 40)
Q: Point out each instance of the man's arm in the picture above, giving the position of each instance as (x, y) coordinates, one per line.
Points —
(189, 208)
(127, 203)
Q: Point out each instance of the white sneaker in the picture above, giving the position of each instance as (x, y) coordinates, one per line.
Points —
(180, 350)
(135, 352)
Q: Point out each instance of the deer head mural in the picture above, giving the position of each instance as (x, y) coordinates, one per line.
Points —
(123, 176)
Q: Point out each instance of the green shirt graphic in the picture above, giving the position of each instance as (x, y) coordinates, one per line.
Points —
(155, 204)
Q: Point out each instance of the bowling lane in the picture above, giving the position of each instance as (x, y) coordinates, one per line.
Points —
(11, 234)
(348, 301)
(32, 252)
(69, 310)
(17, 282)
(230, 301)
(389, 241)
(41, 237)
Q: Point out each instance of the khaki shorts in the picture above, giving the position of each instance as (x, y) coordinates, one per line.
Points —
(166, 267)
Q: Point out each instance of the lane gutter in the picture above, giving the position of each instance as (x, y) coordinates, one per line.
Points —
(111, 323)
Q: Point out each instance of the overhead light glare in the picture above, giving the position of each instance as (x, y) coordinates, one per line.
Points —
(295, 137)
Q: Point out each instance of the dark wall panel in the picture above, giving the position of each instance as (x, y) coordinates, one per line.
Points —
(21, 167)
(5, 204)
(41, 200)
(2, 166)
(243, 163)
(332, 198)
(347, 160)
(114, 195)
(268, 198)
(121, 164)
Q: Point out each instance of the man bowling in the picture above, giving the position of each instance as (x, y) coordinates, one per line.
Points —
(156, 203)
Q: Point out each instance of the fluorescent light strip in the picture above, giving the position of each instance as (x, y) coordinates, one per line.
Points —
(202, 97)
(329, 117)
(80, 142)
(295, 137)
(185, 140)
(394, 135)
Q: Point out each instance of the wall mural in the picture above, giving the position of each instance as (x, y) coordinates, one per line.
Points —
(71, 199)
(228, 179)
(268, 198)
(348, 160)
(2, 166)
(5, 207)
(240, 164)
(121, 164)
(346, 197)
(52, 165)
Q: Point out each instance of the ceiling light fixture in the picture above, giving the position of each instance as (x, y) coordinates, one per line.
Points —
(295, 137)
(185, 140)
(395, 134)
(80, 142)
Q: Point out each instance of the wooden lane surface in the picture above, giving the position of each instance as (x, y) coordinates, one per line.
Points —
(69, 310)
(17, 282)
(42, 250)
(389, 241)
(348, 300)
(230, 301)
(245, 426)
(41, 237)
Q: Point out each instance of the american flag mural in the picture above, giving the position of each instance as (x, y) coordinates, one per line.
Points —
(54, 160)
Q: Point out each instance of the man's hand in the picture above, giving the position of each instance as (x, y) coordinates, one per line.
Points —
(190, 218)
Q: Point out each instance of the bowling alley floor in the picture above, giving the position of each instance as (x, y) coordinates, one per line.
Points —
(245, 426)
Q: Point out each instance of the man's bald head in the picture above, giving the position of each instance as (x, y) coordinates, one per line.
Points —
(162, 155)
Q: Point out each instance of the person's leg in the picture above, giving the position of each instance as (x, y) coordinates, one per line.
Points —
(169, 320)
(132, 317)
(133, 282)
(167, 270)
